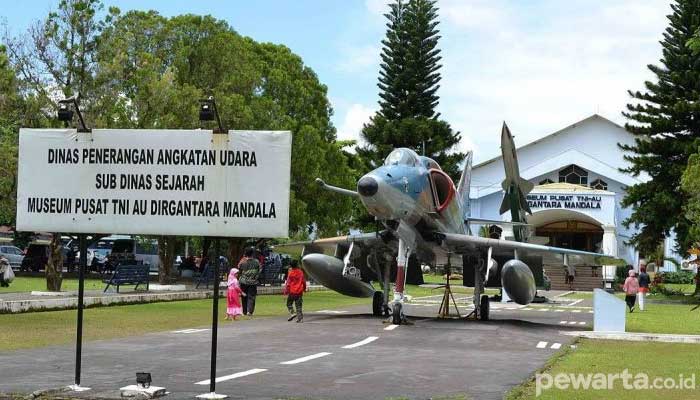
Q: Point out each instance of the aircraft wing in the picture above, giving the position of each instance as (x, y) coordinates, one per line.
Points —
(465, 243)
(329, 245)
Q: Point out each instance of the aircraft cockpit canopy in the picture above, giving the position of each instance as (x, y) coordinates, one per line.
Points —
(402, 156)
(429, 163)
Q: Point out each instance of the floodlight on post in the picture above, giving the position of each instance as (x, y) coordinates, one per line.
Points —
(208, 112)
(65, 113)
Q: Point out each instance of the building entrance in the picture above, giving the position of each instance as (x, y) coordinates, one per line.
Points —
(572, 234)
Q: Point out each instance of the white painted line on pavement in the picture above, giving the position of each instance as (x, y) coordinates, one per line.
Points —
(391, 327)
(362, 342)
(233, 376)
(575, 310)
(307, 358)
(559, 310)
(555, 346)
(190, 331)
(541, 345)
(575, 302)
(329, 312)
(582, 323)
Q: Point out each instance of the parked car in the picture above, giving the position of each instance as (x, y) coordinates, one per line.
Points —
(36, 257)
(13, 254)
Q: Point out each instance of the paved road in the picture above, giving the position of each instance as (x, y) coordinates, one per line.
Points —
(272, 358)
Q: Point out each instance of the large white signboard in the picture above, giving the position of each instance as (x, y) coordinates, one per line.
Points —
(161, 182)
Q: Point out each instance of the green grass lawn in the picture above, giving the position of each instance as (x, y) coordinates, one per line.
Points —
(685, 288)
(579, 295)
(665, 360)
(28, 284)
(37, 329)
(665, 318)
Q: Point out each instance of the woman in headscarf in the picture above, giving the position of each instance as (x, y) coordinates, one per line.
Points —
(631, 287)
(233, 298)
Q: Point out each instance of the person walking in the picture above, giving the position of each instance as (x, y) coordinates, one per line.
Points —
(644, 282)
(6, 273)
(233, 297)
(250, 277)
(631, 288)
(294, 288)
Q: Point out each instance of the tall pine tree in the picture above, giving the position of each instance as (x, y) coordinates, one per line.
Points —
(666, 121)
(408, 83)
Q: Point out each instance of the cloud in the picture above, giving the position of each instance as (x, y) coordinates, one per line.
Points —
(542, 68)
(359, 59)
(355, 117)
(377, 7)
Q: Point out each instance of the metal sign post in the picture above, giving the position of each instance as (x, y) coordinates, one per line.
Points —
(79, 331)
(214, 328)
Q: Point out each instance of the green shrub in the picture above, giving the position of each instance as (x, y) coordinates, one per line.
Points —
(662, 289)
(684, 277)
(621, 274)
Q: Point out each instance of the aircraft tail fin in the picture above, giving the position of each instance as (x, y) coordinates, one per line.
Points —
(505, 204)
(525, 186)
(464, 184)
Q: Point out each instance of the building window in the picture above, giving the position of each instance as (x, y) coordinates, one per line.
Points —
(574, 174)
(599, 184)
(546, 182)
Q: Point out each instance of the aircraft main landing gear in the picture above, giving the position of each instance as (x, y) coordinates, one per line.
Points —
(397, 314)
(484, 308)
(378, 304)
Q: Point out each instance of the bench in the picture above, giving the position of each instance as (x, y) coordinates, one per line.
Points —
(128, 275)
(207, 276)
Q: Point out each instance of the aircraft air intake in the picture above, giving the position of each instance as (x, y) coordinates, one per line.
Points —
(518, 281)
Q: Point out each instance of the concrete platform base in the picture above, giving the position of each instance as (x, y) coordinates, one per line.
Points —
(212, 395)
(78, 388)
(635, 336)
(142, 392)
(154, 287)
(53, 294)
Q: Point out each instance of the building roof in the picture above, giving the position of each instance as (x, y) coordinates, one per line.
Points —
(560, 131)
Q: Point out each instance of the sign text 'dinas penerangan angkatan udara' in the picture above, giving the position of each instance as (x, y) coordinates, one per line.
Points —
(155, 182)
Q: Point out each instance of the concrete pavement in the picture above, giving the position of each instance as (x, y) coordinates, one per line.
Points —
(339, 354)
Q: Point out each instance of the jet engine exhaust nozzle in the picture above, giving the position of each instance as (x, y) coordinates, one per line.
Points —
(367, 186)
(518, 282)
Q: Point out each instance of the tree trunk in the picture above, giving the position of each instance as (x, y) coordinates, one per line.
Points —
(206, 245)
(236, 246)
(54, 266)
(166, 254)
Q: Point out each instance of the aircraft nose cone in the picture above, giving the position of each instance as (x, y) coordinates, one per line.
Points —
(367, 186)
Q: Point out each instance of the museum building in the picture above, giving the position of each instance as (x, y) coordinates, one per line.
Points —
(578, 189)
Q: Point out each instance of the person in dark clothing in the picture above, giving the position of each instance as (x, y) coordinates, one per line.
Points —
(631, 288)
(250, 278)
(644, 282)
(294, 289)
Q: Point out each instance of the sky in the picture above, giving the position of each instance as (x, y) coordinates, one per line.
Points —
(539, 65)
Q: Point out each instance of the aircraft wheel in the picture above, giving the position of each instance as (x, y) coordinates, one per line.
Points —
(484, 308)
(377, 303)
(396, 314)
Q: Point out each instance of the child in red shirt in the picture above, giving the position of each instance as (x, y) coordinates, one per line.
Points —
(294, 289)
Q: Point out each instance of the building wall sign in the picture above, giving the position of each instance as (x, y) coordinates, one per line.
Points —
(159, 182)
(567, 201)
